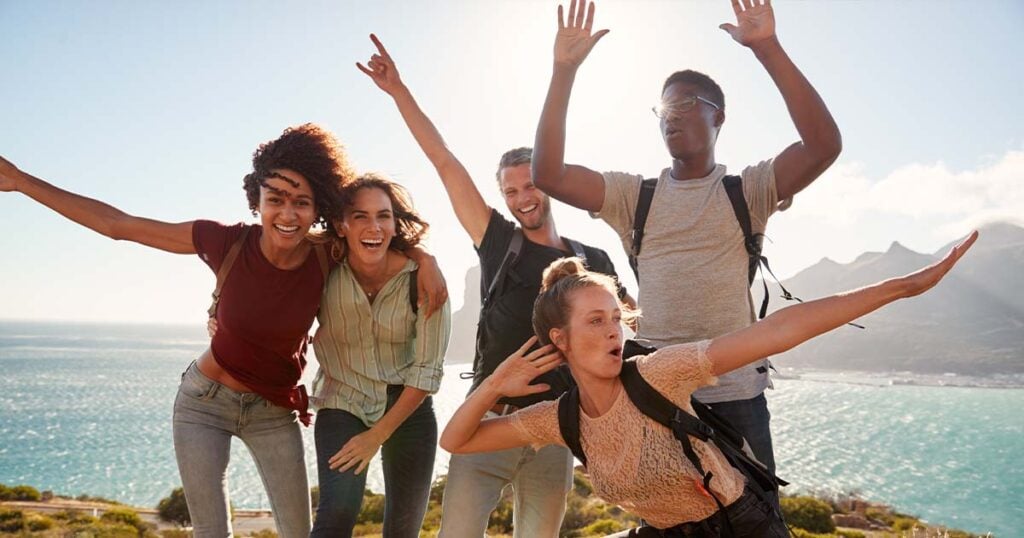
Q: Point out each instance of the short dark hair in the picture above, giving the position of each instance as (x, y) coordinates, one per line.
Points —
(514, 157)
(313, 152)
(700, 80)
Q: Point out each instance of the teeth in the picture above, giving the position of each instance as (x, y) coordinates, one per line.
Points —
(528, 208)
(372, 242)
(286, 229)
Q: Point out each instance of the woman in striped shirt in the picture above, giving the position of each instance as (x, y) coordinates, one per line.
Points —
(380, 359)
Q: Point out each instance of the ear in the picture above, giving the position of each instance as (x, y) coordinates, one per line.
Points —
(719, 117)
(560, 339)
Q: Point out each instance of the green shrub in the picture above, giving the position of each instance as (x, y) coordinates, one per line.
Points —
(850, 534)
(373, 508)
(265, 533)
(368, 529)
(38, 522)
(174, 509)
(808, 513)
(905, 523)
(5, 493)
(25, 493)
(175, 533)
(11, 520)
(74, 517)
(580, 484)
(314, 497)
(602, 527)
(101, 530)
(126, 516)
(800, 533)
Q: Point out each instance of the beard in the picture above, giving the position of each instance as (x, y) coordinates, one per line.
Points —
(543, 215)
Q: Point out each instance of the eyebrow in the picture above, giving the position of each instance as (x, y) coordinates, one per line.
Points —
(284, 193)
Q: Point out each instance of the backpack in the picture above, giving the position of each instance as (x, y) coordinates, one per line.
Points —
(706, 426)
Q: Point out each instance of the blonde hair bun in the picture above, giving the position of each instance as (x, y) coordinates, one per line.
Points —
(560, 269)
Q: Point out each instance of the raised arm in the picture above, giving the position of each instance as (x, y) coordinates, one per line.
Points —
(466, 433)
(572, 184)
(98, 216)
(471, 210)
(820, 142)
(796, 324)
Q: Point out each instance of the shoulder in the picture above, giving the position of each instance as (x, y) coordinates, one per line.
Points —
(678, 370)
(539, 423)
(498, 234)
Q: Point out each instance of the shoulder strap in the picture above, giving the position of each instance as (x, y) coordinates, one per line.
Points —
(577, 249)
(321, 257)
(569, 422)
(225, 268)
(752, 242)
(511, 255)
(414, 290)
(643, 207)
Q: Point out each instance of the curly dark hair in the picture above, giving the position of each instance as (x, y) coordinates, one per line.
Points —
(313, 152)
(410, 228)
(700, 80)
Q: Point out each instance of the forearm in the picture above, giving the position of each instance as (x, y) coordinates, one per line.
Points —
(407, 402)
(423, 130)
(465, 423)
(818, 130)
(549, 144)
(92, 214)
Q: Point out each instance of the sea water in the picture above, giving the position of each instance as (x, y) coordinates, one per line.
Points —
(87, 409)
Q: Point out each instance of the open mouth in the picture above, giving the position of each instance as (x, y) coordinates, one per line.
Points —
(372, 244)
(616, 351)
(528, 209)
(286, 230)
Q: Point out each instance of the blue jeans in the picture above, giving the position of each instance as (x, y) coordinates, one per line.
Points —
(752, 420)
(408, 460)
(540, 480)
(206, 416)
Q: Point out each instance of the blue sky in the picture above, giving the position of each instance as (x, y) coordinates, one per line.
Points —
(157, 107)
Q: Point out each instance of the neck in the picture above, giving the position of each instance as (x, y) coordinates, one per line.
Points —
(283, 259)
(371, 271)
(694, 167)
(545, 235)
(597, 395)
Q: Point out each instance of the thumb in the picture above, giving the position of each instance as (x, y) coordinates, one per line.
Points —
(597, 37)
(540, 387)
(730, 28)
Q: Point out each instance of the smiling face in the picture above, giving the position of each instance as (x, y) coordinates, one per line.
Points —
(528, 204)
(368, 225)
(694, 132)
(286, 209)
(592, 339)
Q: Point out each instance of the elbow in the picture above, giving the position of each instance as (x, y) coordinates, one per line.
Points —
(830, 148)
(544, 176)
(448, 444)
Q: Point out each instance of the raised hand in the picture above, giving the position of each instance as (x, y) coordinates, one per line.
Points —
(574, 41)
(755, 22)
(925, 279)
(513, 376)
(381, 69)
(8, 176)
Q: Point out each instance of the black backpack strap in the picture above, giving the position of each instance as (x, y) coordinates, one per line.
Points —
(569, 422)
(225, 268)
(577, 249)
(643, 208)
(414, 290)
(515, 245)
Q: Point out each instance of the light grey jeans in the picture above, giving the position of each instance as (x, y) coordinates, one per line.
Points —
(206, 416)
(540, 480)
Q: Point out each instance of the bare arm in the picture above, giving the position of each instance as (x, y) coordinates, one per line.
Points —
(465, 433)
(820, 142)
(98, 216)
(575, 185)
(359, 450)
(471, 210)
(796, 324)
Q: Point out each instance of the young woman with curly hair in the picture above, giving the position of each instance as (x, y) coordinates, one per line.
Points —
(380, 359)
(246, 384)
(634, 461)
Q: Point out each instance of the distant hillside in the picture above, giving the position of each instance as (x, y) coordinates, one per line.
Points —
(971, 323)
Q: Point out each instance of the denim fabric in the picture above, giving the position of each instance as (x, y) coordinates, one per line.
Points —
(752, 419)
(540, 481)
(408, 461)
(206, 416)
(749, 517)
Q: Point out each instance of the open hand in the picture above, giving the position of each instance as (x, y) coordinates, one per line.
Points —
(923, 280)
(574, 41)
(755, 22)
(381, 69)
(358, 451)
(211, 327)
(514, 374)
(8, 176)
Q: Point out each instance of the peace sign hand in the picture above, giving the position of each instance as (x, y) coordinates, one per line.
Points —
(755, 22)
(381, 69)
(574, 41)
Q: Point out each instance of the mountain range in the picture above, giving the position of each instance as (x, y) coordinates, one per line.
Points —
(971, 323)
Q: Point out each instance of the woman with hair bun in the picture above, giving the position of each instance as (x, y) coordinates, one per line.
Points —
(246, 384)
(634, 461)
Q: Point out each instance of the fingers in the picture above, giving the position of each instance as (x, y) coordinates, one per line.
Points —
(540, 352)
(572, 13)
(736, 8)
(730, 28)
(539, 387)
(590, 18)
(580, 14)
(747, 4)
(597, 37)
(380, 46)
(368, 72)
(561, 18)
(525, 347)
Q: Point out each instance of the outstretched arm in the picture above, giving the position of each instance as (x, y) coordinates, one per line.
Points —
(796, 324)
(820, 142)
(98, 216)
(572, 184)
(473, 213)
(465, 433)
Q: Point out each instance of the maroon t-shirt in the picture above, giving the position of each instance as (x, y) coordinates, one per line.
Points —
(264, 314)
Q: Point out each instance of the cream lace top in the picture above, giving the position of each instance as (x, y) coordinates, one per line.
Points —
(636, 462)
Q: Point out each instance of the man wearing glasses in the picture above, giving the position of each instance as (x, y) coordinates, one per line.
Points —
(693, 266)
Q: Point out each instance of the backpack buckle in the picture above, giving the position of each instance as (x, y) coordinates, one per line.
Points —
(682, 421)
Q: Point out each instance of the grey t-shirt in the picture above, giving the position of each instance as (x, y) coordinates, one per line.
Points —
(693, 265)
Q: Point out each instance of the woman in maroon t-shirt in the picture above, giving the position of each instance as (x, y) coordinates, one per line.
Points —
(246, 384)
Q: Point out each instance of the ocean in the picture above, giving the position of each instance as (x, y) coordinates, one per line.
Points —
(86, 408)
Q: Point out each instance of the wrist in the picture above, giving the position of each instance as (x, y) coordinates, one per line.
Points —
(490, 390)
(766, 47)
(565, 68)
(400, 91)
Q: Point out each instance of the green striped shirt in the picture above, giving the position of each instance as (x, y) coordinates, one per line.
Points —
(363, 347)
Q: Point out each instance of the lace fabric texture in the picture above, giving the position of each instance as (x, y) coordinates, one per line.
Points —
(636, 462)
